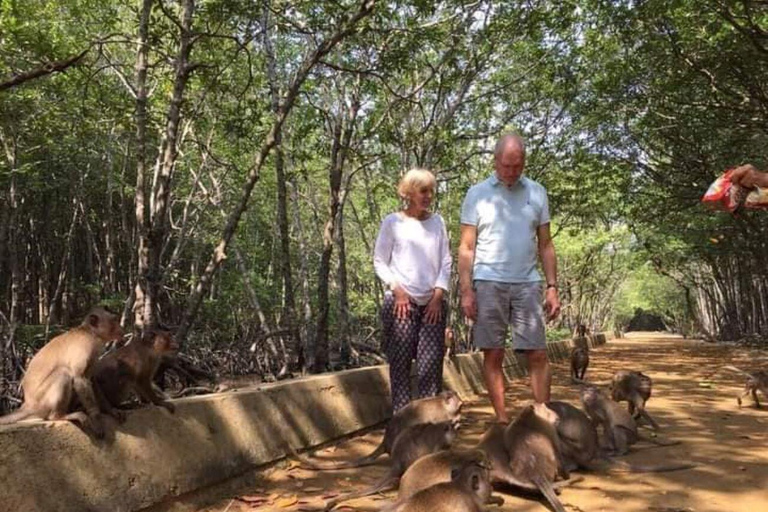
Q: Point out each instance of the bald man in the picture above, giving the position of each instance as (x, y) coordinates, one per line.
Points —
(504, 229)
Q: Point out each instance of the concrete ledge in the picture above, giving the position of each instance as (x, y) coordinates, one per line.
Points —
(53, 466)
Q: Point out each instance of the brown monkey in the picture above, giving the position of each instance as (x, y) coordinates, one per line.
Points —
(619, 428)
(413, 443)
(436, 468)
(579, 363)
(755, 381)
(635, 389)
(468, 490)
(61, 371)
(132, 368)
(535, 457)
(444, 407)
(581, 447)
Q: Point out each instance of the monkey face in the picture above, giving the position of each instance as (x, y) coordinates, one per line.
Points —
(164, 343)
(104, 324)
(452, 402)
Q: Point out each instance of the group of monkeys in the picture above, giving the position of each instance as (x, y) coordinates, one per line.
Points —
(68, 380)
(534, 453)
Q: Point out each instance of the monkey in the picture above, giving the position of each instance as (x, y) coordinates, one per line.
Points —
(444, 407)
(582, 330)
(436, 468)
(61, 372)
(413, 443)
(635, 389)
(467, 491)
(579, 363)
(581, 447)
(755, 381)
(132, 368)
(619, 428)
(535, 456)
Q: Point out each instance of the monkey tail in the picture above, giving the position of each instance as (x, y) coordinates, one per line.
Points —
(388, 483)
(546, 488)
(20, 414)
(627, 467)
(658, 442)
(355, 463)
(737, 370)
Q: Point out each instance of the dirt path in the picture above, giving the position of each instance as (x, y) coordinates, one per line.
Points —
(729, 445)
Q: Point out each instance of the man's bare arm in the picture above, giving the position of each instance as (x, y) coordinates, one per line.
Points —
(547, 253)
(466, 258)
(466, 255)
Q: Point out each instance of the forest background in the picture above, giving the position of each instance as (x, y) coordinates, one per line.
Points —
(222, 166)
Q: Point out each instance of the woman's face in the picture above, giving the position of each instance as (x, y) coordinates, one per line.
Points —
(421, 197)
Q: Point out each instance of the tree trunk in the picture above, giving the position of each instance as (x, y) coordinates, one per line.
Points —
(142, 306)
(295, 347)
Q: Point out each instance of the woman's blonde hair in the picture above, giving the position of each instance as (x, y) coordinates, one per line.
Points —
(414, 179)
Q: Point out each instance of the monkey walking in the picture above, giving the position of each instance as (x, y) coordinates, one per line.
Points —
(444, 407)
(635, 389)
(61, 371)
(414, 442)
(579, 363)
(467, 491)
(132, 368)
(755, 381)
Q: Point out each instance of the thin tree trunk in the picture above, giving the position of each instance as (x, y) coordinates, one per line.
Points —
(295, 347)
(141, 304)
(219, 253)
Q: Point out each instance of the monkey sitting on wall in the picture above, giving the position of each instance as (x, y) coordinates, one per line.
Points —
(60, 373)
(132, 368)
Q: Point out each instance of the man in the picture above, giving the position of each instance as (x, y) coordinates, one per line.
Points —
(504, 223)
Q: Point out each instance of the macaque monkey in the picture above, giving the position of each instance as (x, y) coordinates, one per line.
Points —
(755, 381)
(60, 372)
(581, 448)
(468, 490)
(535, 456)
(579, 363)
(132, 368)
(619, 428)
(635, 389)
(444, 407)
(412, 444)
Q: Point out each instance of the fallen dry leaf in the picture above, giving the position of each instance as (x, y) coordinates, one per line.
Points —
(251, 498)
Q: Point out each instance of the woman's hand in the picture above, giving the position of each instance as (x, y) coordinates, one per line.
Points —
(434, 310)
(402, 302)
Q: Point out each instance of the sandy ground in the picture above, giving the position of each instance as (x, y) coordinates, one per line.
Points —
(730, 445)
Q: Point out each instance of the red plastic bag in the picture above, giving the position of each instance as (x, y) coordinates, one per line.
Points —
(724, 195)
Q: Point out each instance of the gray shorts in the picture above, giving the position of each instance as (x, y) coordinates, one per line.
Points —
(502, 304)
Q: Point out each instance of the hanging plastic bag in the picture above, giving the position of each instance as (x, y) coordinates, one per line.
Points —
(725, 195)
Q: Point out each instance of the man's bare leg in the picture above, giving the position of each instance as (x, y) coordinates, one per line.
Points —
(493, 359)
(541, 374)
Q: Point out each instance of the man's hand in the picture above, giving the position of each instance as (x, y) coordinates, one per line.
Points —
(749, 177)
(552, 304)
(434, 310)
(402, 302)
(469, 304)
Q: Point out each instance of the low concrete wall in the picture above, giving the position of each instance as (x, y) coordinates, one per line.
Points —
(154, 455)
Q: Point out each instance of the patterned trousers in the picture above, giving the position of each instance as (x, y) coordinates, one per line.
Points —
(412, 338)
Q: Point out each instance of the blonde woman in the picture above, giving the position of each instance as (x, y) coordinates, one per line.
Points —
(413, 260)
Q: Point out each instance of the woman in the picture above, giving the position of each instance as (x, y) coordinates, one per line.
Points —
(413, 259)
